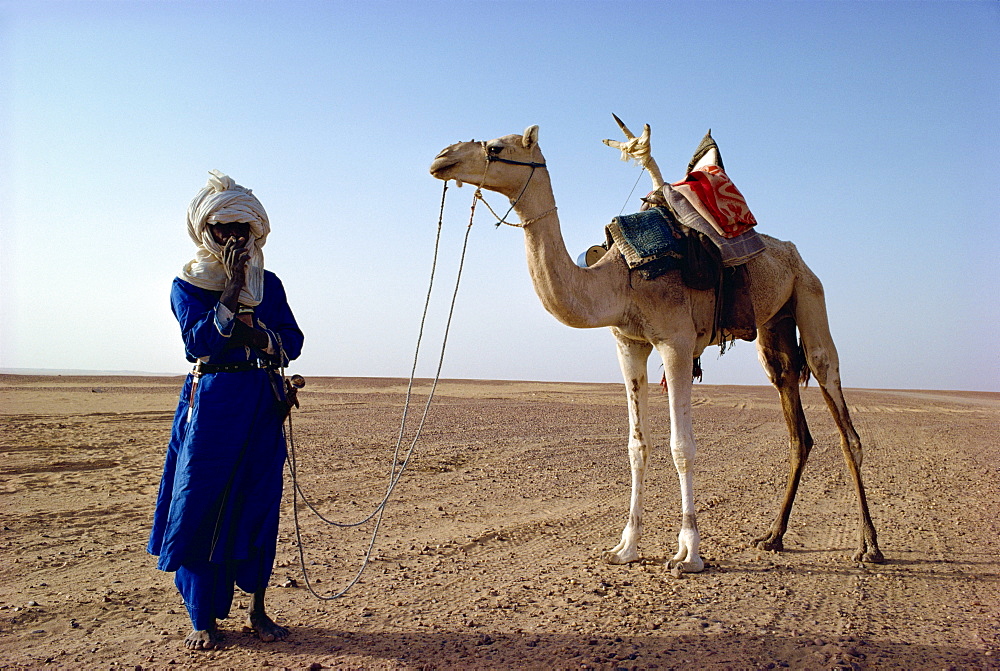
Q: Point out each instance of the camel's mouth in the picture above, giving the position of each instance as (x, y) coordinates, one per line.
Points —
(441, 166)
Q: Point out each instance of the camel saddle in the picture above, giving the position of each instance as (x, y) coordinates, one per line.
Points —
(650, 241)
(703, 227)
(653, 242)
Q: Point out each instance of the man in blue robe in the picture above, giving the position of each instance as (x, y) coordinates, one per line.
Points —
(216, 519)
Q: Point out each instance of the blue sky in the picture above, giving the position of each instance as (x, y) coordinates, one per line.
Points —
(864, 132)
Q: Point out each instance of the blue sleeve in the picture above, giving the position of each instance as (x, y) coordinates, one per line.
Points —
(279, 320)
(204, 331)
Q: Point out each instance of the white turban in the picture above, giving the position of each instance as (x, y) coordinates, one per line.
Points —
(223, 201)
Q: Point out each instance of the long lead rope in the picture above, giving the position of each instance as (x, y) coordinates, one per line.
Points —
(393, 475)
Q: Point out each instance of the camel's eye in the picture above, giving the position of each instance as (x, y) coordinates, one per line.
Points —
(494, 149)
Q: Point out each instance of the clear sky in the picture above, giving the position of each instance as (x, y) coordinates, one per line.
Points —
(867, 133)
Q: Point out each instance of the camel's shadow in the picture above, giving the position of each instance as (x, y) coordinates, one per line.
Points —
(986, 567)
(482, 648)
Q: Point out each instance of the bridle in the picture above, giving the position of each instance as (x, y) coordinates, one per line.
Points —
(492, 158)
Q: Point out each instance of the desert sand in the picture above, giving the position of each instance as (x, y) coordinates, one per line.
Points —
(489, 552)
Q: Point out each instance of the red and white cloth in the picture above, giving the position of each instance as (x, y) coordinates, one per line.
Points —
(717, 200)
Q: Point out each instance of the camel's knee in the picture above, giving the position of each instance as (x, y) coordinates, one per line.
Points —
(851, 446)
(824, 365)
(779, 352)
(798, 451)
(638, 454)
(783, 368)
(683, 455)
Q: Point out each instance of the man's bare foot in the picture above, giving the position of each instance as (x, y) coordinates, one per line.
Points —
(203, 639)
(266, 628)
(262, 625)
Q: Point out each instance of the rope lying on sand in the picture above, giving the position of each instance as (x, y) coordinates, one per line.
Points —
(394, 476)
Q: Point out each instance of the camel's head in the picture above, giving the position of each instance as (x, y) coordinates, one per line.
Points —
(500, 165)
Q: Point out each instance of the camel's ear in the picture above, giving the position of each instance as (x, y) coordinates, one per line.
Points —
(530, 138)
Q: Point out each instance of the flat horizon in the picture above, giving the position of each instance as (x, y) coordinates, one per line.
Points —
(71, 372)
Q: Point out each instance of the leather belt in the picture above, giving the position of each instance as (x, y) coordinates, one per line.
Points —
(237, 367)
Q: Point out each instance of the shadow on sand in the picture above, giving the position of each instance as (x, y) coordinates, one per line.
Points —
(479, 649)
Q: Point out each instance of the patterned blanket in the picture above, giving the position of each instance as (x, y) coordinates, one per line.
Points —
(654, 241)
(650, 241)
(735, 251)
(717, 200)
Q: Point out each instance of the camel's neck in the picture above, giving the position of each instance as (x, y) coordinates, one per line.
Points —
(578, 297)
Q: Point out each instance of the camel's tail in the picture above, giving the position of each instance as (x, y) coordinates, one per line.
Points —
(804, 372)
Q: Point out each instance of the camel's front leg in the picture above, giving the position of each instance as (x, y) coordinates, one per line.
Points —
(632, 356)
(677, 367)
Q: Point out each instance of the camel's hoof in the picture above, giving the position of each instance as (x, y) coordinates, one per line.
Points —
(617, 559)
(869, 556)
(687, 566)
(769, 543)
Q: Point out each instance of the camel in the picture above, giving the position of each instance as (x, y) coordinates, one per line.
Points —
(665, 315)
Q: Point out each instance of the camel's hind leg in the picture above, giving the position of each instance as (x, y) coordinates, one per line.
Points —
(782, 358)
(821, 356)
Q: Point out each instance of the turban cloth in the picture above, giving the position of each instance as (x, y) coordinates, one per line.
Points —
(223, 201)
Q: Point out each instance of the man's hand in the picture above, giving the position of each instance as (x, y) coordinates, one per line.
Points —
(247, 336)
(235, 257)
(292, 386)
(292, 394)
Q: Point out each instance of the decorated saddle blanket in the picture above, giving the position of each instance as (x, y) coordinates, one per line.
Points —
(710, 191)
(735, 250)
(650, 241)
(655, 240)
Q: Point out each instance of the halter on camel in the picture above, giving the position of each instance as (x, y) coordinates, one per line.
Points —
(493, 158)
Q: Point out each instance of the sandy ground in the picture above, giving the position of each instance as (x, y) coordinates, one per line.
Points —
(489, 553)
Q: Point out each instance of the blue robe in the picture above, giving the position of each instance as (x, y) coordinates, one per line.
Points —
(222, 477)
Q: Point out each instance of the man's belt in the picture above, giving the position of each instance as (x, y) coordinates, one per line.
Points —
(237, 367)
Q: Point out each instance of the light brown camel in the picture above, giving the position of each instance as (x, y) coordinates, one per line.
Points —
(677, 321)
